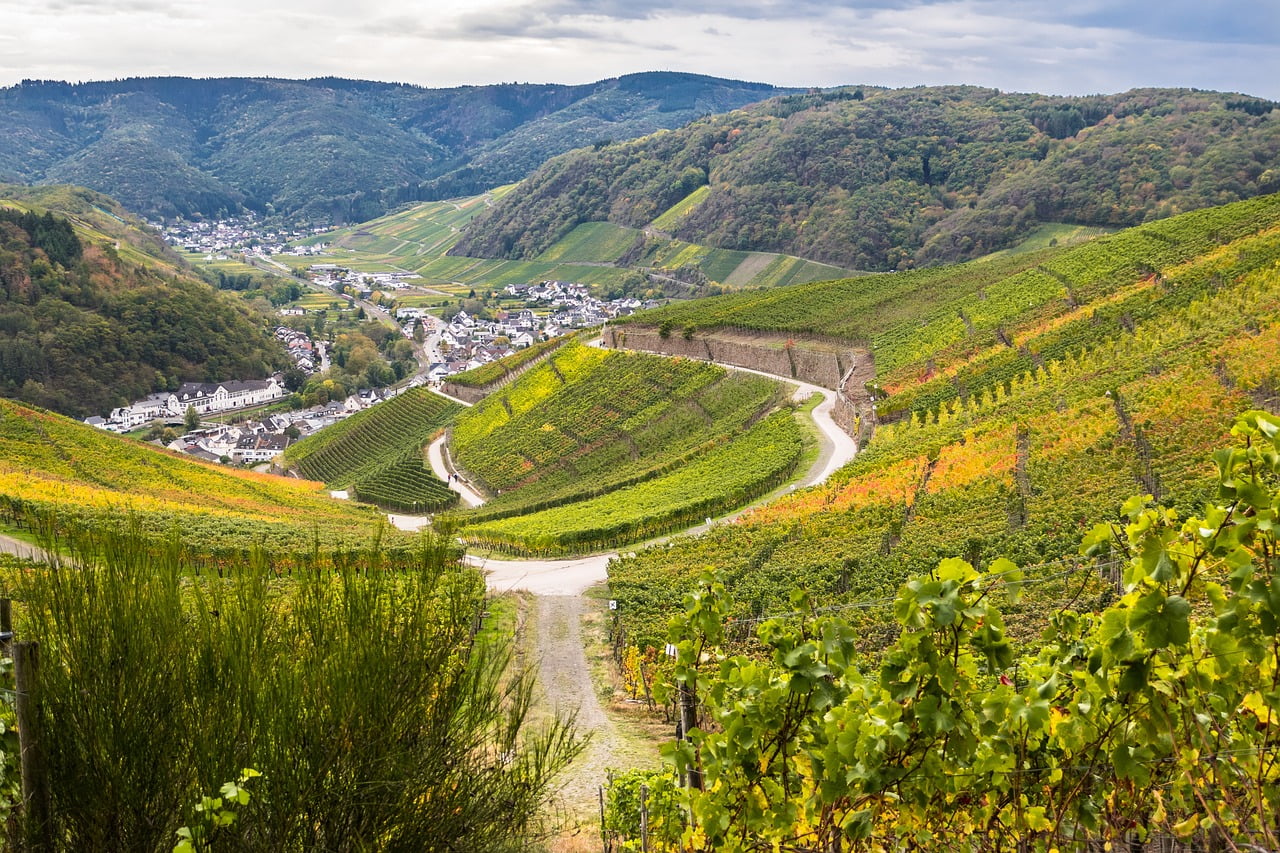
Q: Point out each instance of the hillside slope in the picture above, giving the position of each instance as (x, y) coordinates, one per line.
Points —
(48, 462)
(325, 148)
(1023, 413)
(378, 456)
(95, 312)
(593, 448)
(887, 179)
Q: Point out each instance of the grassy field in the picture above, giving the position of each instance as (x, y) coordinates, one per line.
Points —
(1052, 234)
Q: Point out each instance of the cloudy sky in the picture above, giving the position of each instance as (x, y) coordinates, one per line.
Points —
(1048, 46)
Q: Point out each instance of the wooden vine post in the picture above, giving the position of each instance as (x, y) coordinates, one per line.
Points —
(35, 773)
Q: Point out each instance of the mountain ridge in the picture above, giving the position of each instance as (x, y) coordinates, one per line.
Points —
(326, 148)
(880, 179)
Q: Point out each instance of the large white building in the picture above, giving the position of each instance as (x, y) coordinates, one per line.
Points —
(204, 397)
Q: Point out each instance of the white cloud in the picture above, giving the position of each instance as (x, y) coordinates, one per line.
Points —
(1023, 45)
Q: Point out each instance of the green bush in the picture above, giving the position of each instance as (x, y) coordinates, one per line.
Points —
(358, 686)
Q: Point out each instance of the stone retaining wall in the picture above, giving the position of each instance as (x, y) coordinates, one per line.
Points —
(843, 368)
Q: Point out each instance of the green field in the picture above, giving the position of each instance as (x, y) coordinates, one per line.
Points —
(600, 242)
(233, 265)
(1052, 234)
(678, 211)
(416, 240)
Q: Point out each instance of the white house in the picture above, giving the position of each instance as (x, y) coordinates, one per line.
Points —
(252, 449)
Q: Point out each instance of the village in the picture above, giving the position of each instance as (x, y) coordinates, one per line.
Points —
(454, 340)
(215, 237)
(554, 308)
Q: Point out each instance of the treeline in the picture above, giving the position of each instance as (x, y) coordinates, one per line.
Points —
(52, 235)
(890, 179)
(83, 331)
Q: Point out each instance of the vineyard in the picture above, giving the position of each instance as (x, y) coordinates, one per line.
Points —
(379, 453)
(930, 321)
(594, 242)
(1147, 722)
(723, 478)
(617, 419)
(49, 462)
(1017, 450)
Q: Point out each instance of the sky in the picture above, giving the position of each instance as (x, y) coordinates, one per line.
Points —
(1048, 46)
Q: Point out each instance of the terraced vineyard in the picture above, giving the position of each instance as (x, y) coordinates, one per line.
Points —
(379, 453)
(603, 434)
(406, 484)
(48, 462)
(936, 318)
(1013, 449)
(727, 475)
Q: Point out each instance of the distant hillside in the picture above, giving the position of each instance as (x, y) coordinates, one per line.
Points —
(325, 148)
(887, 179)
(1027, 402)
(95, 312)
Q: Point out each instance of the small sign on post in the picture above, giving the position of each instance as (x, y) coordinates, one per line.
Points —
(613, 604)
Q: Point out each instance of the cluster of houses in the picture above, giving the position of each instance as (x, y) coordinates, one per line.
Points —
(468, 341)
(254, 442)
(363, 284)
(250, 442)
(308, 356)
(205, 397)
(213, 237)
(572, 305)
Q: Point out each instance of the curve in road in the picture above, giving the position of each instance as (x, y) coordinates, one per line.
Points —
(572, 577)
(435, 455)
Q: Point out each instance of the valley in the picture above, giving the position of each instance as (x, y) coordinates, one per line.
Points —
(913, 454)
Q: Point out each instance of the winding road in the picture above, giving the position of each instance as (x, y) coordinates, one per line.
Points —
(573, 576)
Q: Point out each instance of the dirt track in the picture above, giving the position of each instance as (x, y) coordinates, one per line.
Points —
(565, 681)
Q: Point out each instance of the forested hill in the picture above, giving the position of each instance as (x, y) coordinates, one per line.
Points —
(327, 148)
(91, 320)
(886, 179)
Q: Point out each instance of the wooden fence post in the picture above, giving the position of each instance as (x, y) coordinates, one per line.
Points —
(6, 626)
(688, 722)
(604, 833)
(35, 773)
(644, 819)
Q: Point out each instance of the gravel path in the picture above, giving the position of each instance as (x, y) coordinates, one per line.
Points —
(9, 545)
(571, 577)
(565, 681)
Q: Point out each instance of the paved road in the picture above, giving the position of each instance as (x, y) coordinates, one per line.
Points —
(435, 455)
